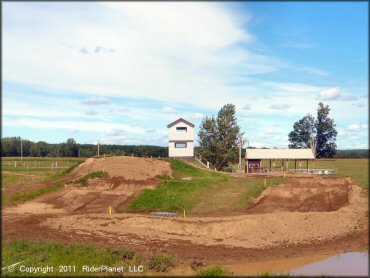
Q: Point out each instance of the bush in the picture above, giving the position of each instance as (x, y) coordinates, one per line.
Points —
(124, 253)
(213, 271)
(161, 262)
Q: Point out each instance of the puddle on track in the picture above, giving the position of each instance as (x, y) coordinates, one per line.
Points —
(343, 264)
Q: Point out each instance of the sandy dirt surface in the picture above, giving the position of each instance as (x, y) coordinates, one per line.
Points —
(302, 215)
(264, 230)
(126, 167)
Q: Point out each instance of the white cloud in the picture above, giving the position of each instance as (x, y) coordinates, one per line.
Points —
(96, 101)
(98, 126)
(91, 112)
(359, 104)
(357, 127)
(208, 40)
(315, 71)
(198, 116)
(246, 107)
(280, 106)
(168, 109)
(330, 94)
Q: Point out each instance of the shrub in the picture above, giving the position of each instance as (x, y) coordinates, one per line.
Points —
(161, 262)
(124, 253)
(213, 271)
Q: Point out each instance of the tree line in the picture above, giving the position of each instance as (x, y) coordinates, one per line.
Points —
(219, 136)
(11, 146)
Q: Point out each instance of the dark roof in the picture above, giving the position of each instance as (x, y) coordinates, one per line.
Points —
(180, 120)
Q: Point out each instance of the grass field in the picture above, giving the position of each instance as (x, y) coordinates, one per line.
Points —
(358, 169)
(205, 192)
(33, 169)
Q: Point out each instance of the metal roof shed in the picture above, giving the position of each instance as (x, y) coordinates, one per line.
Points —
(253, 157)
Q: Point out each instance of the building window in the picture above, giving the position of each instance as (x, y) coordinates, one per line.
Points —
(180, 145)
(254, 165)
(181, 129)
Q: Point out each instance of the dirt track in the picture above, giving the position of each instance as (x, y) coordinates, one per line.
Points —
(303, 212)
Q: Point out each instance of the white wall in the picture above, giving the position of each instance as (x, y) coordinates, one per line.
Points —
(174, 135)
(181, 152)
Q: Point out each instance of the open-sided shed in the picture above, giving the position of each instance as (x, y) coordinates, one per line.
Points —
(253, 158)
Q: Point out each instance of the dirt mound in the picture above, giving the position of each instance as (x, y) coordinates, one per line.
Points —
(248, 231)
(125, 167)
(128, 176)
(304, 195)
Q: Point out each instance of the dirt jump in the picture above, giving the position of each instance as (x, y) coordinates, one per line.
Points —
(299, 213)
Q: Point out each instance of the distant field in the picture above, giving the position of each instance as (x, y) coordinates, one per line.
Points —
(206, 192)
(358, 169)
(33, 169)
(354, 168)
(16, 172)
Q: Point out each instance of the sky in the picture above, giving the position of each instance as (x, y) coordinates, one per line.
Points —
(120, 72)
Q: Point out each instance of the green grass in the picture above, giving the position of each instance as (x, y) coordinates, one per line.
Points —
(35, 169)
(161, 262)
(25, 196)
(99, 174)
(37, 253)
(38, 176)
(357, 169)
(206, 192)
(213, 271)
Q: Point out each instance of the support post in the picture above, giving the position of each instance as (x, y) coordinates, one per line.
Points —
(307, 165)
(295, 164)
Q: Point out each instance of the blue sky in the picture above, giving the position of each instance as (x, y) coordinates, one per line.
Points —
(119, 72)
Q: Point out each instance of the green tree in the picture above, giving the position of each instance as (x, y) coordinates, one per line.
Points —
(302, 133)
(322, 129)
(326, 133)
(218, 137)
(70, 148)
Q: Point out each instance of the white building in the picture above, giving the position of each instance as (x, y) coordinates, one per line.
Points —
(181, 139)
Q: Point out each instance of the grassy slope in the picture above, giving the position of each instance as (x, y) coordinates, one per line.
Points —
(207, 192)
(35, 253)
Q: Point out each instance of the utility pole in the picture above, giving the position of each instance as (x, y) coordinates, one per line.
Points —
(21, 149)
(241, 143)
(98, 147)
